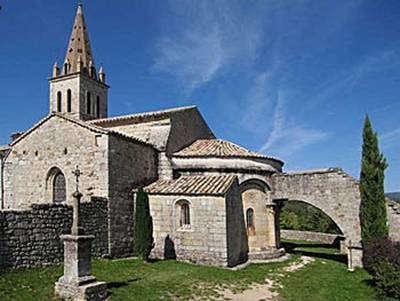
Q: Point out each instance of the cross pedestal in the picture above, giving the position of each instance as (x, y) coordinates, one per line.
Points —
(77, 283)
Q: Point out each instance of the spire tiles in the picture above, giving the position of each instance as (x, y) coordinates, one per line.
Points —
(79, 53)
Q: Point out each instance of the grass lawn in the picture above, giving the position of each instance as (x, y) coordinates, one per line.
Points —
(324, 279)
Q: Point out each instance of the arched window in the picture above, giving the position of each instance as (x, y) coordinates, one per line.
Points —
(98, 107)
(59, 101)
(56, 185)
(69, 101)
(185, 215)
(88, 103)
(59, 193)
(250, 221)
(182, 209)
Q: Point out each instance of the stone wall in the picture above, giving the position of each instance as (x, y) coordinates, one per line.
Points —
(187, 126)
(32, 237)
(255, 198)
(324, 238)
(59, 143)
(79, 85)
(205, 241)
(235, 227)
(335, 193)
(331, 190)
(131, 165)
(393, 213)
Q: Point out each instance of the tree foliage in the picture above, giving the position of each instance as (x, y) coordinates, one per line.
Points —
(296, 215)
(373, 205)
(373, 216)
(144, 241)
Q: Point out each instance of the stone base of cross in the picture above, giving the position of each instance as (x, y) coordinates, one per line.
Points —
(77, 283)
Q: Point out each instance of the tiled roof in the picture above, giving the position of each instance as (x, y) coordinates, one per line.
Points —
(193, 185)
(138, 117)
(217, 148)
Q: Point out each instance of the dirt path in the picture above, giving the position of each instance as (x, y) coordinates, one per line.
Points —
(264, 292)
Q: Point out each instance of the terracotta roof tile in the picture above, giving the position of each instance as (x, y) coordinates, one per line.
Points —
(218, 148)
(193, 185)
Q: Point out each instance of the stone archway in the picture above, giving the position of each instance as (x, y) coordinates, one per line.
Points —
(333, 192)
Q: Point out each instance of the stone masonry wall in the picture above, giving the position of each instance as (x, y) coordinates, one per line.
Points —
(32, 237)
(79, 85)
(205, 241)
(131, 165)
(393, 213)
(235, 227)
(331, 190)
(55, 143)
(324, 238)
(187, 127)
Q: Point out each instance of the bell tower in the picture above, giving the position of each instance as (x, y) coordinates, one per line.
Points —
(76, 88)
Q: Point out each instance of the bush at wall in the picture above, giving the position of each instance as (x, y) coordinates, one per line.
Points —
(382, 260)
(144, 241)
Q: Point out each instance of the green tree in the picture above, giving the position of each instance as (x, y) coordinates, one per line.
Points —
(144, 241)
(373, 205)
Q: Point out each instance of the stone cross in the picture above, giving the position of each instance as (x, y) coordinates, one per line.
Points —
(76, 230)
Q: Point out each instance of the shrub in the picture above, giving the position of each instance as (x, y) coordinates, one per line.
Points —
(144, 241)
(382, 260)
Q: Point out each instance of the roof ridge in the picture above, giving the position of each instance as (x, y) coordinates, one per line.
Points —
(142, 114)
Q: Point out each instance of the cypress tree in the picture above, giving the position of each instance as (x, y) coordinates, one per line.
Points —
(373, 204)
(144, 241)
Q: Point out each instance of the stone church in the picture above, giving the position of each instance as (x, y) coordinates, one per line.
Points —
(211, 200)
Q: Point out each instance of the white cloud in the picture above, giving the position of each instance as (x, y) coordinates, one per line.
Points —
(210, 36)
(390, 138)
(288, 137)
(257, 103)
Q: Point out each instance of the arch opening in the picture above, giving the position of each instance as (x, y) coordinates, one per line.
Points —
(303, 216)
(69, 101)
(313, 232)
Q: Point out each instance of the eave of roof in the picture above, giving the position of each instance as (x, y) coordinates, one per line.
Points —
(139, 117)
(83, 124)
(192, 185)
(217, 148)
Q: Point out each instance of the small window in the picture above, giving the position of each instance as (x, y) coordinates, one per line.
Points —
(59, 101)
(98, 107)
(56, 185)
(182, 209)
(69, 101)
(250, 221)
(88, 103)
(185, 215)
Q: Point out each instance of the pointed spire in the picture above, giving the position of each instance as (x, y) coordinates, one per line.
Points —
(102, 75)
(79, 44)
(56, 70)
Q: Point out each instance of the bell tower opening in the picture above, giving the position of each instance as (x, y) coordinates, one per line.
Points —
(78, 78)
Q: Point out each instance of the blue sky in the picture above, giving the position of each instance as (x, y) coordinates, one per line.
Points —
(292, 79)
